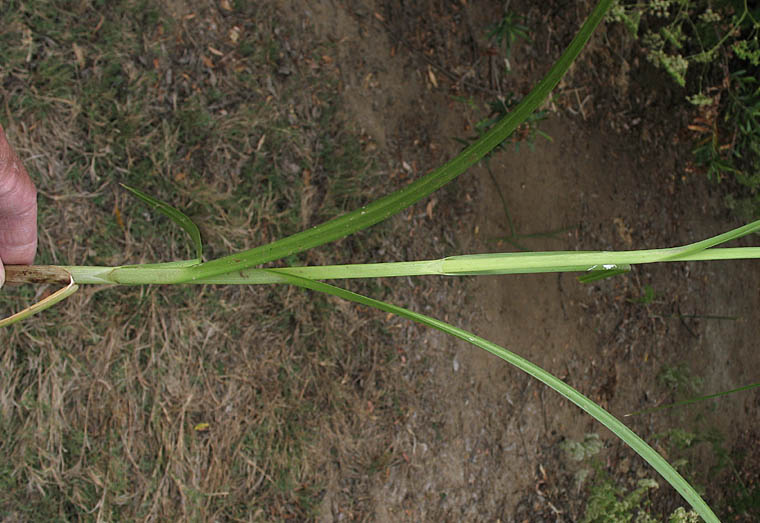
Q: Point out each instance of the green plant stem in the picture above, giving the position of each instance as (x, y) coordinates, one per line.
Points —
(468, 265)
(475, 264)
(592, 263)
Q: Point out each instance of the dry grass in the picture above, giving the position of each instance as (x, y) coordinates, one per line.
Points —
(193, 403)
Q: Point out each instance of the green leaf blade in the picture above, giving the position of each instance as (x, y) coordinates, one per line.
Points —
(608, 420)
(603, 274)
(388, 206)
(174, 215)
(695, 248)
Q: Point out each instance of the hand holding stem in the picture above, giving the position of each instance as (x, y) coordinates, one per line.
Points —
(18, 210)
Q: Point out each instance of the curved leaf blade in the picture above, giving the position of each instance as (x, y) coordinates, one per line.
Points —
(59, 295)
(174, 215)
(389, 205)
(650, 455)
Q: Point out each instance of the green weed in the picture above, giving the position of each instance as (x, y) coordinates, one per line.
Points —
(679, 379)
(646, 298)
(506, 32)
(608, 500)
(526, 133)
(711, 50)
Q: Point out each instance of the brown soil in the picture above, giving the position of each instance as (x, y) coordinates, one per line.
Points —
(482, 443)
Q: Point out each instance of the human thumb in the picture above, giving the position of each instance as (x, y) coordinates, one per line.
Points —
(18, 208)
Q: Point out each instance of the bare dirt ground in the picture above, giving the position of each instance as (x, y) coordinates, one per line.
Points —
(483, 442)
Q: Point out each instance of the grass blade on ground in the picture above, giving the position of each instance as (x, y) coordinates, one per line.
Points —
(605, 418)
(693, 400)
(688, 250)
